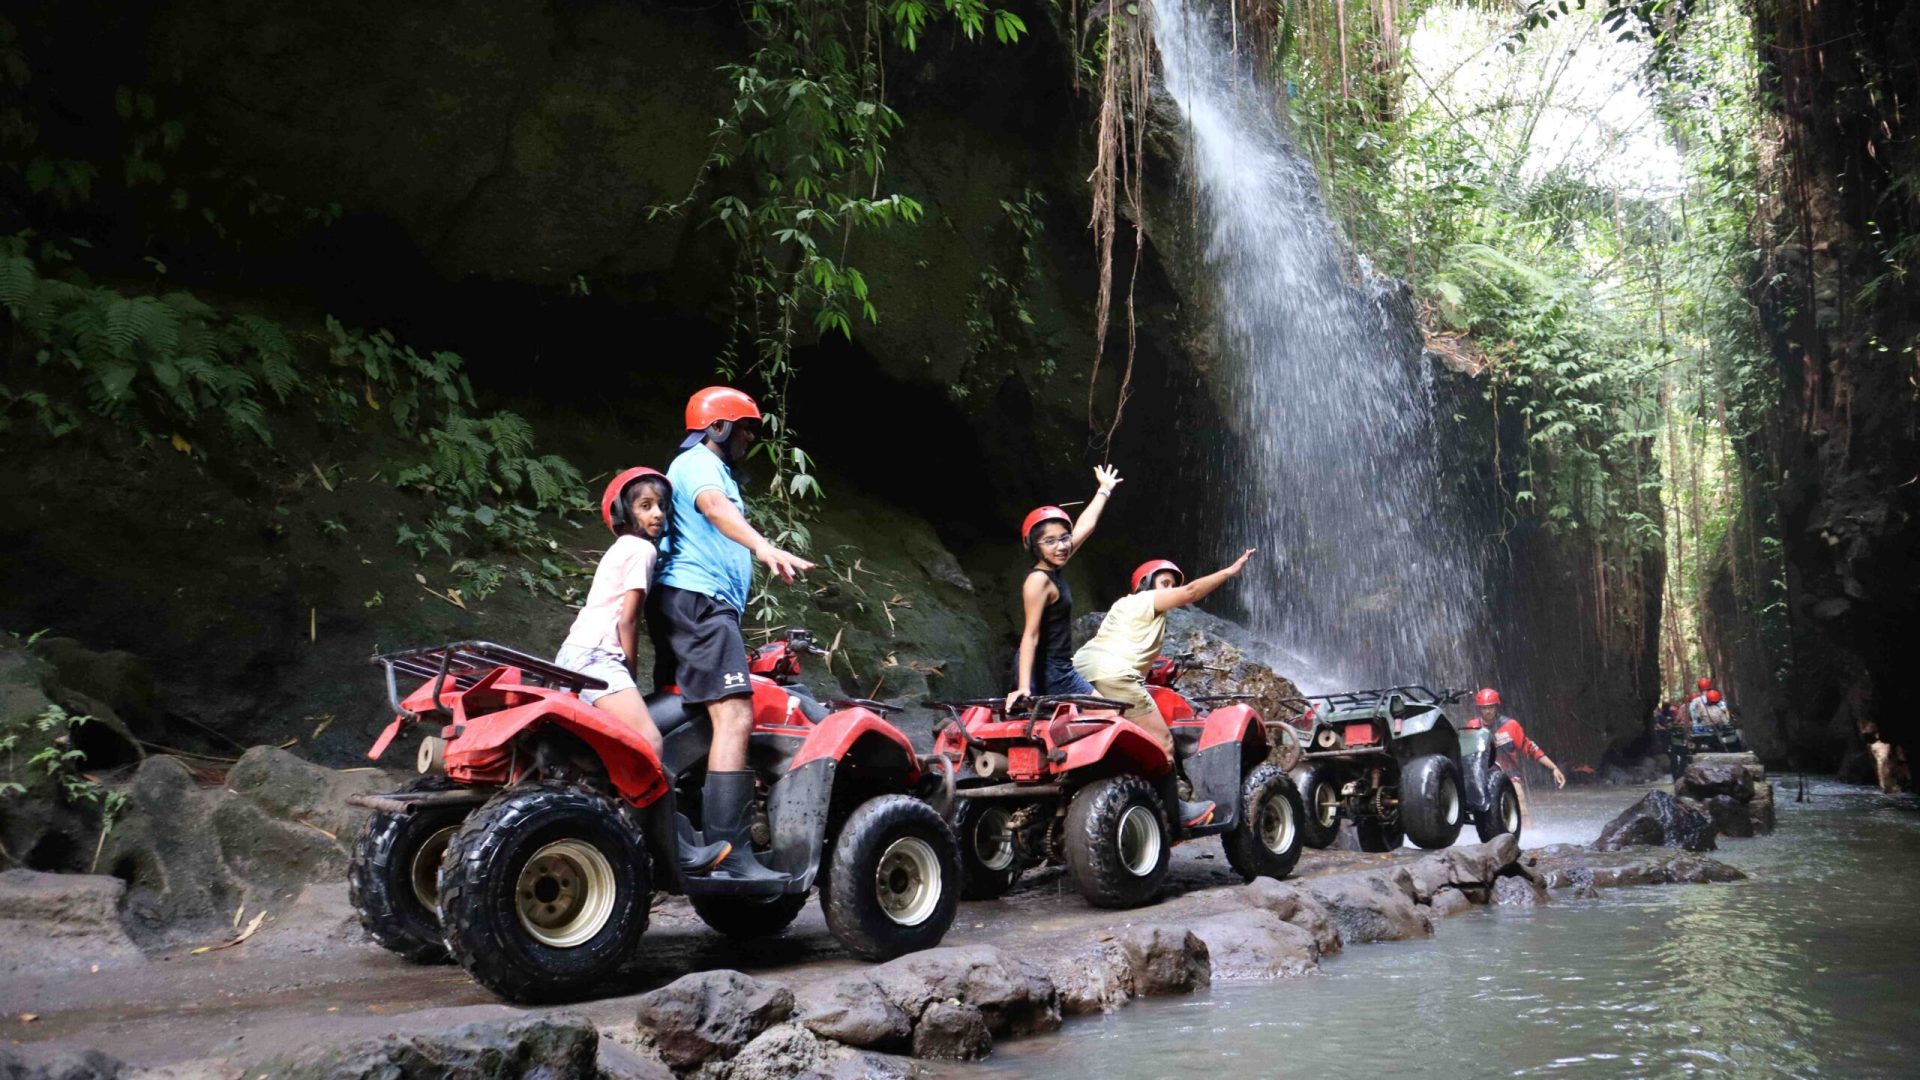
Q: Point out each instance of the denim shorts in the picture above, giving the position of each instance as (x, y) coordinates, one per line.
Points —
(1057, 676)
(608, 667)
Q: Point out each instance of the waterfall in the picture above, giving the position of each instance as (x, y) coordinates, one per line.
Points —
(1364, 571)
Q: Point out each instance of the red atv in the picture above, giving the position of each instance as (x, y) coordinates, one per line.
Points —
(530, 850)
(1069, 780)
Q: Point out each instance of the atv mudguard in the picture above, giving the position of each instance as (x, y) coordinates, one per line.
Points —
(801, 802)
(481, 754)
(1119, 746)
(1477, 770)
(1215, 761)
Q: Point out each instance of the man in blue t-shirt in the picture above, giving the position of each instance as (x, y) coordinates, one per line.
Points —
(694, 616)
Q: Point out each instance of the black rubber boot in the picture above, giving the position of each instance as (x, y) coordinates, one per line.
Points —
(726, 801)
(695, 855)
(1195, 814)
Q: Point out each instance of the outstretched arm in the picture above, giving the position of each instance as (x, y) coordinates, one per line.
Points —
(1536, 753)
(1109, 478)
(733, 525)
(1165, 600)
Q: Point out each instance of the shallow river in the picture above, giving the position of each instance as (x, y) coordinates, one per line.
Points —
(1810, 968)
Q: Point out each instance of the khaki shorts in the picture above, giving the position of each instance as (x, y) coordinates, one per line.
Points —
(1140, 707)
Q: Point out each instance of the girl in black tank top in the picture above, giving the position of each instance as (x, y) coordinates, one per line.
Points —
(1044, 662)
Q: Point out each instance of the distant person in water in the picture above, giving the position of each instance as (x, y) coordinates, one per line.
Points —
(1510, 745)
(1044, 664)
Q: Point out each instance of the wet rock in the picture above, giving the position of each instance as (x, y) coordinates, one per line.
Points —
(1302, 909)
(52, 922)
(1256, 944)
(530, 1048)
(166, 848)
(1705, 781)
(1659, 820)
(855, 1012)
(1372, 905)
(710, 1014)
(1015, 996)
(1730, 816)
(1165, 959)
(952, 1031)
(70, 1065)
(1519, 890)
(1471, 868)
(1573, 866)
(1094, 979)
(292, 789)
(1760, 813)
(1449, 901)
(789, 1050)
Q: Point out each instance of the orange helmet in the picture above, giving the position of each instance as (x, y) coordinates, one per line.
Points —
(1039, 517)
(716, 405)
(1705, 684)
(613, 508)
(1145, 571)
(1713, 697)
(1488, 696)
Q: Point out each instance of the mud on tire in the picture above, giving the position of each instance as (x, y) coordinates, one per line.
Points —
(747, 917)
(1316, 785)
(393, 878)
(1503, 810)
(989, 861)
(1267, 841)
(1431, 802)
(1117, 842)
(893, 882)
(544, 892)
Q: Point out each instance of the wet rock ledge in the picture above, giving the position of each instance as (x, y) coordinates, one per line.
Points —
(950, 1003)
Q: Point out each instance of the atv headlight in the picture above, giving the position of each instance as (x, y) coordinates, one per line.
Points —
(1326, 738)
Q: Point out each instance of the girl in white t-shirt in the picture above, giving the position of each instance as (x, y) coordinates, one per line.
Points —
(606, 633)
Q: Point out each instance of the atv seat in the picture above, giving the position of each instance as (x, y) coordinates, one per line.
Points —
(671, 712)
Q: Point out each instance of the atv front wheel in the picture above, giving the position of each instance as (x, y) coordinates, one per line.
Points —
(1430, 801)
(393, 879)
(747, 917)
(1503, 813)
(989, 860)
(543, 892)
(1266, 843)
(893, 885)
(1117, 843)
(1320, 799)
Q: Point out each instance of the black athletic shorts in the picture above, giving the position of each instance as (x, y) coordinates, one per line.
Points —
(697, 645)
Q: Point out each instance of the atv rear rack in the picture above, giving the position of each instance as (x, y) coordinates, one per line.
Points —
(464, 662)
(1346, 699)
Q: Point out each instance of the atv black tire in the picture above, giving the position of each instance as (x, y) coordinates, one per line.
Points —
(544, 892)
(1117, 841)
(989, 861)
(393, 878)
(744, 918)
(893, 884)
(1502, 815)
(1431, 802)
(1316, 783)
(1266, 843)
(1377, 835)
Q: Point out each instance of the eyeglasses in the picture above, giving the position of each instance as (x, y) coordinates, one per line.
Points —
(1056, 541)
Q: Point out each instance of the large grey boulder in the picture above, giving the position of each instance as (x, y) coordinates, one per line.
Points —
(1372, 905)
(1256, 944)
(1015, 997)
(529, 1048)
(709, 1014)
(1659, 820)
(1301, 908)
(854, 1011)
(59, 922)
(1164, 959)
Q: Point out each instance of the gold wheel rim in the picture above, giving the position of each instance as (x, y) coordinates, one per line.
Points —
(1139, 841)
(907, 881)
(426, 868)
(565, 893)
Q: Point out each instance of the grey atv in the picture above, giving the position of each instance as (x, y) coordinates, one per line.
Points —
(1393, 762)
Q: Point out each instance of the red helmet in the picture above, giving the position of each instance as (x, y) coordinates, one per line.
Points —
(617, 487)
(719, 403)
(1145, 571)
(1705, 683)
(1488, 696)
(1040, 517)
(1713, 696)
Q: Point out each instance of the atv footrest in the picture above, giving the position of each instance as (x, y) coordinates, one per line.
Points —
(726, 886)
(408, 802)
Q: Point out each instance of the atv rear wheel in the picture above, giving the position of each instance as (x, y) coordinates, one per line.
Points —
(1502, 815)
(1320, 801)
(893, 884)
(544, 891)
(1117, 842)
(1378, 834)
(393, 879)
(1430, 803)
(747, 917)
(1266, 843)
(989, 860)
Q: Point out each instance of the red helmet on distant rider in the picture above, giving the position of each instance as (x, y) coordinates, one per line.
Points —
(613, 503)
(1487, 696)
(1145, 572)
(1040, 517)
(717, 405)
(1705, 684)
(1713, 697)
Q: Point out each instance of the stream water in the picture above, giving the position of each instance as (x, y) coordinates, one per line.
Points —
(1807, 969)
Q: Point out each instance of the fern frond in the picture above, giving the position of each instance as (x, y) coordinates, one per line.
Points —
(17, 281)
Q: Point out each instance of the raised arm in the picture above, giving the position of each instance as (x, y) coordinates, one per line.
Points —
(1165, 600)
(714, 506)
(1108, 478)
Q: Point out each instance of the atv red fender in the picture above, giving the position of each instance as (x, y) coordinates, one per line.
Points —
(481, 755)
(1174, 706)
(1121, 743)
(1232, 724)
(838, 736)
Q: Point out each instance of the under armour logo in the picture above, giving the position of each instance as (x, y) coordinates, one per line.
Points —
(733, 678)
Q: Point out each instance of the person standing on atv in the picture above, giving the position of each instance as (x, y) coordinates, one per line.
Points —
(1115, 660)
(694, 619)
(1046, 637)
(1510, 744)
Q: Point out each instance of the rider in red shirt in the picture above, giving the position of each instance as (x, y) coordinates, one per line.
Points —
(1510, 744)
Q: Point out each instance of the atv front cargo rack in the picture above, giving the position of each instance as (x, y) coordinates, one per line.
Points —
(463, 663)
(1349, 699)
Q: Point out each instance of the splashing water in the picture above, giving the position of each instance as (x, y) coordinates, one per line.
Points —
(1363, 571)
